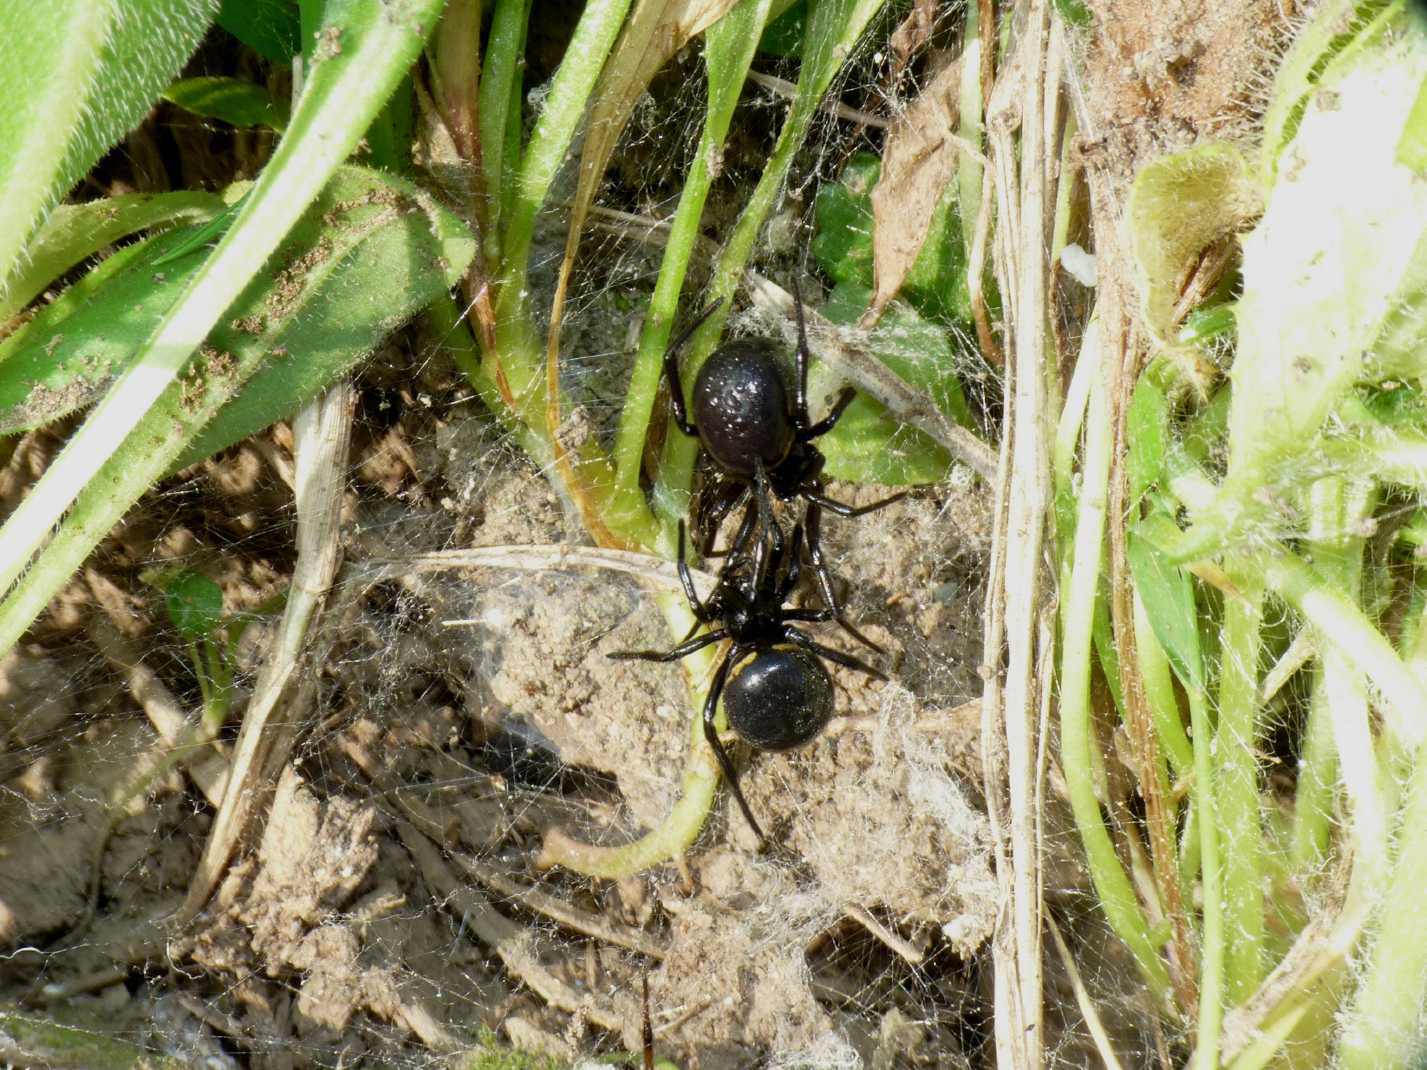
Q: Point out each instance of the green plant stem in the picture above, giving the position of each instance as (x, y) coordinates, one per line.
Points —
(1236, 786)
(1212, 952)
(1317, 781)
(449, 329)
(681, 828)
(517, 343)
(498, 113)
(1386, 1024)
(1364, 647)
(1338, 511)
(1112, 886)
(729, 47)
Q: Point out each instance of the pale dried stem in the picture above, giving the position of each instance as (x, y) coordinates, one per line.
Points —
(529, 896)
(287, 680)
(1021, 590)
(517, 947)
(908, 404)
(1120, 358)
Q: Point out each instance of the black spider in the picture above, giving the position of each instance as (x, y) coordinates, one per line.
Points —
(762, 440)
(782, 698)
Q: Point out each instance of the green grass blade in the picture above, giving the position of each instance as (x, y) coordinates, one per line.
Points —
(521, 356)
(369, 44)
(498, 112)
(79, 75)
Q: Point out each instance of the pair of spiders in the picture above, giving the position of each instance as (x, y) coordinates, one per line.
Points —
(776, 693)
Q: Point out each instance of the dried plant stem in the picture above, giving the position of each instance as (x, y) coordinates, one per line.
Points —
(324, 431)
(1022, 240)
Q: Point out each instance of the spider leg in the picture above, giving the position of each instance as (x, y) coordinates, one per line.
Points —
(814, 495)
(828, 422)
(770, 537)
(837, 657)
(737, 654)
(744, 533)
(701, 610)
(810, 616)
(794, 568)
(824, 577)
(683, 650)
(671, 370)
(726, 494)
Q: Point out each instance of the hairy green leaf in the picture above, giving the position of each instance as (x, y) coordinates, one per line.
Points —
(75, 346)
(73, 232)
(371, 251)
(80, 74)
(363, 50)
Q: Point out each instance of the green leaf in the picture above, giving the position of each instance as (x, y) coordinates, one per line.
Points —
(1147, 432)
(371, 251)
(1178, 206)
(1075, 12)
(209, 232)
(1335, 286)
(73, 232)
(842, 214)
(937, 285)
(1168, 598)
(1338, 30)
(72, 350)
(1412, 145)
(418, 250)
(868, 445)
(783, 36)
(78, 76)
(75, 346)
(230, 100)
(194, 603)
(268, 27)
(365, 49)
(1203, 325)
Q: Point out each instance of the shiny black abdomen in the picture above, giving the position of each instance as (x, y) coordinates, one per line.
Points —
(741, 406)
(779, 699)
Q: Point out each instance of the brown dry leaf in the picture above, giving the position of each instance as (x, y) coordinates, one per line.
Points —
(917, 166)
(911, 36)
(655, 32)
